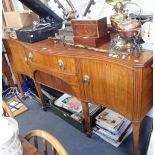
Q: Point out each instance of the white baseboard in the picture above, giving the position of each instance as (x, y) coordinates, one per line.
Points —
(150, 113)
(150, 147)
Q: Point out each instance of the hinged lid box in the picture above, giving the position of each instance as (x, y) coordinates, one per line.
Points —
(89, 28)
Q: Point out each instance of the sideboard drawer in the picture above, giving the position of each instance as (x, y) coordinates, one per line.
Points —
(54, 63)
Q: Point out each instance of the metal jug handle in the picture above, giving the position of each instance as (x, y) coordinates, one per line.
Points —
(137, 16)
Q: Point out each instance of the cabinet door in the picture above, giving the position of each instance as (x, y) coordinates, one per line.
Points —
(109, 84)
(17, 57)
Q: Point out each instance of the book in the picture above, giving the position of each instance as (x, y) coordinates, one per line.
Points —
(93, 108)
(120, 133)
(109, 119)
(111, 141)
(69, 103)
(114, 131)
(74, 105)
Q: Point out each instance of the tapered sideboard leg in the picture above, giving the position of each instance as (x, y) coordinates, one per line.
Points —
(38, 87)
(18, 78)
(87, 118)
(136, 127)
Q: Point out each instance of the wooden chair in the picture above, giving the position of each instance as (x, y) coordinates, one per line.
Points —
(57, 147)
(6, 109)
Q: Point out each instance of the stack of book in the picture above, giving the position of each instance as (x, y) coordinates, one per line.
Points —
(112, 127)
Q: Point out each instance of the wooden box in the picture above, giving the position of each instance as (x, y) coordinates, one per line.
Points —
(89, 28)
(91, 41)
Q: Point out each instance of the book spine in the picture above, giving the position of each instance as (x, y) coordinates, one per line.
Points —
(114, 137)
(125, 124)
(111, 141)
(106, 139)
(108, 128)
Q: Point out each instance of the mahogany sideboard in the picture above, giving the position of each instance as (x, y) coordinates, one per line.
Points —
(123, 85)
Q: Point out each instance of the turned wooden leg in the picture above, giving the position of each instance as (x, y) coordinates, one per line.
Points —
(38, 87)
(136, 127)
(19, 83)
(87, 118)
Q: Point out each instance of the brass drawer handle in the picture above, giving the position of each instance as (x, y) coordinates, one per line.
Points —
(86, 79)
(26, 60)
(61, 64)
(30, 56)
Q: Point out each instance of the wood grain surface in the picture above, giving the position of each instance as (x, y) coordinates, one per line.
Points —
(124, 85)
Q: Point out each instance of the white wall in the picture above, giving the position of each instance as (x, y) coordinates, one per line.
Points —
(100, 9)
(18, 5)
(146, 6)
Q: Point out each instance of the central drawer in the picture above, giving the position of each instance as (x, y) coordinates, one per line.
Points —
(54, 63)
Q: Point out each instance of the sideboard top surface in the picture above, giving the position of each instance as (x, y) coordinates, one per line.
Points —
(49, 47)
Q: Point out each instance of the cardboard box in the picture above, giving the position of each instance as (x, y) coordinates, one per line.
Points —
(89, 28)
(19, 19)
